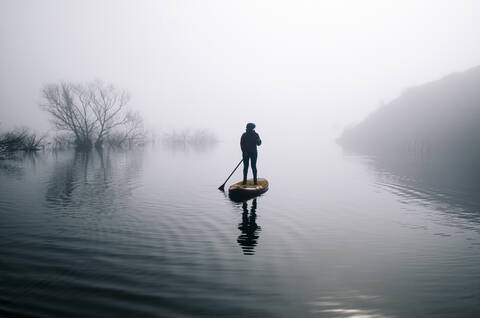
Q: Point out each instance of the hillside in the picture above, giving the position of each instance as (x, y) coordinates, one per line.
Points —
(437, 118)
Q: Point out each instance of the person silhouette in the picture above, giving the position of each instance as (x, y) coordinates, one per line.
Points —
(249, 228)
(248, 143)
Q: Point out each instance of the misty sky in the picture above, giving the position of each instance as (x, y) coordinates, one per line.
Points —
(313, 65)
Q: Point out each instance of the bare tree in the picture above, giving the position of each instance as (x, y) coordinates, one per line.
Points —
(20, 139)
(12, 140)
(108, 104)
(70, 108)
(33, 142)
(130, 133)
(89, 111)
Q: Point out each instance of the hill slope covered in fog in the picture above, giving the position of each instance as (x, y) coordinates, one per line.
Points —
(437, 118)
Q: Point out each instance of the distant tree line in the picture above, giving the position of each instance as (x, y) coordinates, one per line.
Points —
(200, 137)
(94, 114)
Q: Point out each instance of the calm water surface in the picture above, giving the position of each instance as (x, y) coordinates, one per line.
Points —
(146, 233)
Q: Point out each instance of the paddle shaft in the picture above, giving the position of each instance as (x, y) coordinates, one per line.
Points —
(223, 185)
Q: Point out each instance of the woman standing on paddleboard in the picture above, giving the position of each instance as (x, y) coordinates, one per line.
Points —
(249, 142)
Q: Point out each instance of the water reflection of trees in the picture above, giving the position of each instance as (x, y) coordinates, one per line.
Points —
(15, 163)
(248, 239)
(65, 177)
(97, 179)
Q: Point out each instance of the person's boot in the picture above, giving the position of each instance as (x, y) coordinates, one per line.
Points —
(244, 180)
(255, 179)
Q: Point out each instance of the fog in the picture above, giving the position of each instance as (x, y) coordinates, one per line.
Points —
(355, 210)
(310, 66)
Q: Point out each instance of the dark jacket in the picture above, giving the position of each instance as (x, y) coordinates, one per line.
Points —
(249, 141)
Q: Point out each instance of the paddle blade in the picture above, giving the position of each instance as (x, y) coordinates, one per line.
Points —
(222, 187)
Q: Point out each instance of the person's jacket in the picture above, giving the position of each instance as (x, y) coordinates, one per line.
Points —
(249, 141)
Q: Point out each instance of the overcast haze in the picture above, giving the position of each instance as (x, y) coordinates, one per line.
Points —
(220, 64)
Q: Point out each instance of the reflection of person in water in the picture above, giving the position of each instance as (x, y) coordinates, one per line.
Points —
(248, 238)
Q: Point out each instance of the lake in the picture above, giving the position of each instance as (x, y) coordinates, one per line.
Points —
(146, 233)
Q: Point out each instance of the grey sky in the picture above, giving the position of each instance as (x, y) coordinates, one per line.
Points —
(220, 64)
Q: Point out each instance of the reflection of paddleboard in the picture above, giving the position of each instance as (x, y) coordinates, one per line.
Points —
(249, 190)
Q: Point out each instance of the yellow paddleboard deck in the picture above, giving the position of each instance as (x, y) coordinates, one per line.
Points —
(248, 190)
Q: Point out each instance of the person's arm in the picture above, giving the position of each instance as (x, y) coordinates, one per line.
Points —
(259, 141)
(242, 143)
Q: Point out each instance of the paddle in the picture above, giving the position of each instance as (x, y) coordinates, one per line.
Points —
(222, 187)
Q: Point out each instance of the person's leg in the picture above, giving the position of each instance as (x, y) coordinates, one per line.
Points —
(253, 157)
(245, 168)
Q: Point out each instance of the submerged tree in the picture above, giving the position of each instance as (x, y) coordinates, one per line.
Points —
(108, 106)
(91, 112)
(20, 139)
(70, 108)
(130, 133)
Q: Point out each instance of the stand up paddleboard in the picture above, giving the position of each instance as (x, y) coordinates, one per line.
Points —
(239, 191)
